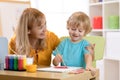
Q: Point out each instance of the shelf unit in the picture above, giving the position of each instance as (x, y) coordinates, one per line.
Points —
(111, 60)
(112, 69)
(96, 9)
(105, 9)
(112, 56)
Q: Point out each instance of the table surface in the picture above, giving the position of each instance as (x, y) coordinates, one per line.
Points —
(39, 75)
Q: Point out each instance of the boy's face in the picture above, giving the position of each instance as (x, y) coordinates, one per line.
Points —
(76, 34)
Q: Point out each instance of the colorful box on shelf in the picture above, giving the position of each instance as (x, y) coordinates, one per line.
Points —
(100, 0)
(97, 22)
(113, 22)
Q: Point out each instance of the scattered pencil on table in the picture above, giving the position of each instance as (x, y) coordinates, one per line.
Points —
(61, 67)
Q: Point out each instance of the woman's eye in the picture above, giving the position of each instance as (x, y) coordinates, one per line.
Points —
(80, 31)
(39, 27)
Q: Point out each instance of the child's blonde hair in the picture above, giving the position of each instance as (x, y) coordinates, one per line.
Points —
(30, 17)
(79, 20)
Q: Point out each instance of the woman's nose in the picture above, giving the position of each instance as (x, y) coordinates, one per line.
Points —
(44, 29)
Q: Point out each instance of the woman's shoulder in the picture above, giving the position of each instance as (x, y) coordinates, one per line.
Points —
(51, 34)
(52, 38)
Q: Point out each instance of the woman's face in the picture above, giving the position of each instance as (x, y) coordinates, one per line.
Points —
(38, 32)
(76, 34)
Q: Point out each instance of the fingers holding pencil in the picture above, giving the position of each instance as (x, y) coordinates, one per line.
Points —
(57, 59)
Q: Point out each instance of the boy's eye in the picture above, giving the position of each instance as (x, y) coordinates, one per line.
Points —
(73, 29)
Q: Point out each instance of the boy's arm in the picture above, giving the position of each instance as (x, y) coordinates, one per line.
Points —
(88, 60)
(91, 48)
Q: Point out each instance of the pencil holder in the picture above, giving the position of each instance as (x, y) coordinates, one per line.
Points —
(15, 62)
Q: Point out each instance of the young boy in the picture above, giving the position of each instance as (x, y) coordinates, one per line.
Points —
(72, 51)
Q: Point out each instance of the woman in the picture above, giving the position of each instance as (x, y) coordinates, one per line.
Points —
(32, 38)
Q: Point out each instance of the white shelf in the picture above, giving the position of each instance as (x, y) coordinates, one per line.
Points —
(97, 30)
(111, 68)
(108, 8)
(111, 2)
(96, 4)
(112, 58)
(112, 30)
(105, 9)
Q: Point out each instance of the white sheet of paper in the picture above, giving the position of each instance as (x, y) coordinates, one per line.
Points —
(53, 69)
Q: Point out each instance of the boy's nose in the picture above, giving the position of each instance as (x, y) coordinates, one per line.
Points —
(76, 31)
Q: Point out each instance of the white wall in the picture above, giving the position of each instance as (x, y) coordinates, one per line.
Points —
(9, 16)
(58, 11)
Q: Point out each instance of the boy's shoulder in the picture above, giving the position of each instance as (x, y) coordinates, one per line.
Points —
(64, 39)
(86, 41)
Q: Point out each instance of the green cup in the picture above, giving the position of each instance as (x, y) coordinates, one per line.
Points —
(113, 22)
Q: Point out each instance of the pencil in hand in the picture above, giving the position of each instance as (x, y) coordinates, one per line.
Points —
(62, 58)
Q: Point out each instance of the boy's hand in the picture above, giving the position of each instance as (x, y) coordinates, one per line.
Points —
(57, 59)
(90, 68)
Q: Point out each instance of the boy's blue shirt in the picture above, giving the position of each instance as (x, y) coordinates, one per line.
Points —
(72, 52)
